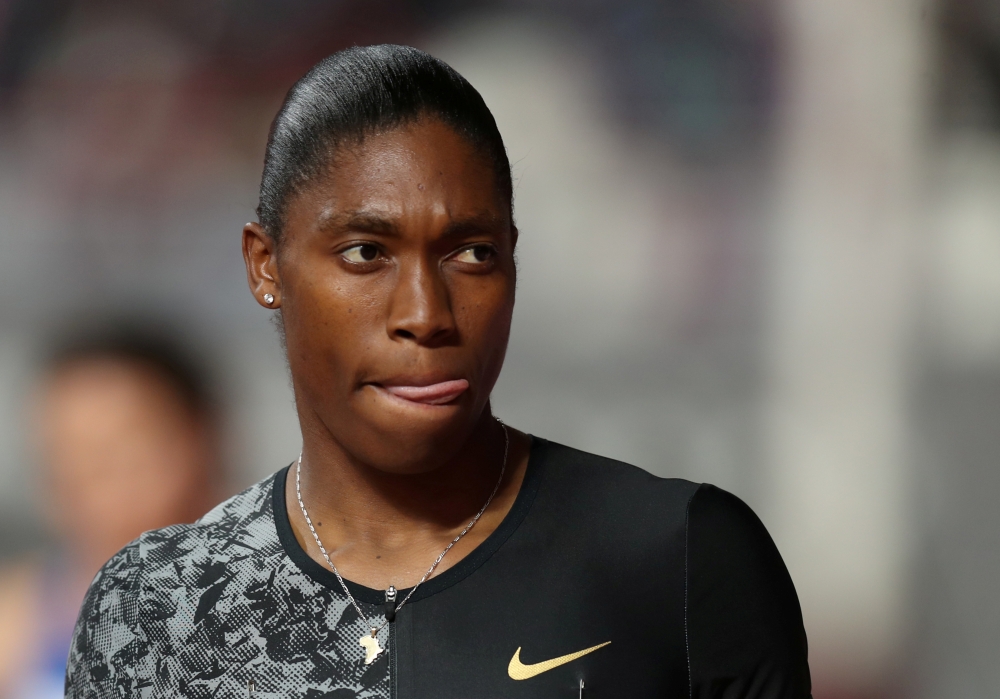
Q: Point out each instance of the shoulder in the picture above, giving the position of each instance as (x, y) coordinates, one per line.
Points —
(742, 613)
(729, 549)
(608, 483)
(149, 581)
(623, 512)
(234, 527)
(719, 522)
(107, 625)
(724, 529)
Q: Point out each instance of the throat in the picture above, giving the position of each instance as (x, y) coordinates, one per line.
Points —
(397, 531)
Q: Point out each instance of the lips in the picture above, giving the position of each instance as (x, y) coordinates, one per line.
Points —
(440, 393)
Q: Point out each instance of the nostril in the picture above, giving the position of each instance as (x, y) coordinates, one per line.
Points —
(405, 334)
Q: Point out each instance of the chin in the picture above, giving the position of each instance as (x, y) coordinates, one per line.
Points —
(404, 437)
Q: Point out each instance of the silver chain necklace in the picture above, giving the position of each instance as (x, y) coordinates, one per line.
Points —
(370, 642)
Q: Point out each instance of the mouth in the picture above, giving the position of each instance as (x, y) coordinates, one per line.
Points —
(441, 393)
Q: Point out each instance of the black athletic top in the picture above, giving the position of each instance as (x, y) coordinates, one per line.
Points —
(601, 576)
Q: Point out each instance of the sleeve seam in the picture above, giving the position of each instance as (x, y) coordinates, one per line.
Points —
(687, 639)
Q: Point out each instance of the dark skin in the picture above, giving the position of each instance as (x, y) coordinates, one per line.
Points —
(394, 273)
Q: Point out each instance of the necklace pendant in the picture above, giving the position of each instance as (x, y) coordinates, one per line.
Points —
(372, 648)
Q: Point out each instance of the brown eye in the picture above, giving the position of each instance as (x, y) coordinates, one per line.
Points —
(360, 253)
(477, 254)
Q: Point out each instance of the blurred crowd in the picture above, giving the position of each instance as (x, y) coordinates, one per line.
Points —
(760, 247)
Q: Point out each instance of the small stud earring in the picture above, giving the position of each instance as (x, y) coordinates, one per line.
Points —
(268, 299)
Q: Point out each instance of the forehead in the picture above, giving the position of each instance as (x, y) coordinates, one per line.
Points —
(414, 169)
(108, 381)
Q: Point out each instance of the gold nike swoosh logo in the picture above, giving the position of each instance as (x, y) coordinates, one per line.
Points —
(519, 671)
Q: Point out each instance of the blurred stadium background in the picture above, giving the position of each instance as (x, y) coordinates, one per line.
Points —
(760, 247)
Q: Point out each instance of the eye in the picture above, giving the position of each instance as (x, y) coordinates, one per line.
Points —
(360, 253)
(476, 254)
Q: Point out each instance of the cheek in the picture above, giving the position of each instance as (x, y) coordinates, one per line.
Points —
(484, 317)
(330, 323)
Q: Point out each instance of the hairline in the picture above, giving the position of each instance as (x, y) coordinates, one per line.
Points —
(331, 149)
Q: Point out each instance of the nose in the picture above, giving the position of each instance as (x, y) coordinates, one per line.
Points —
(420, 307)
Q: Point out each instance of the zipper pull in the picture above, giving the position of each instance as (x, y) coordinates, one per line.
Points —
(390, 603)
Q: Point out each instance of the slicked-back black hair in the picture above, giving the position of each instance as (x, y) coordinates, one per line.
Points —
(357, 92)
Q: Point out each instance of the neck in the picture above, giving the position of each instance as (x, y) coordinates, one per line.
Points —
(384, 528)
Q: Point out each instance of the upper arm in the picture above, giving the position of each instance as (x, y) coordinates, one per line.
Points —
(744, 626)
(108, 643)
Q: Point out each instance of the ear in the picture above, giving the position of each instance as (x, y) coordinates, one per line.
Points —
(260, 254)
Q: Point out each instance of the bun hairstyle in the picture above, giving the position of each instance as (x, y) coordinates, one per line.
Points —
(360, 91)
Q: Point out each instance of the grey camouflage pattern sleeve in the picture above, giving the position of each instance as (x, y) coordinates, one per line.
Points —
(109, 648)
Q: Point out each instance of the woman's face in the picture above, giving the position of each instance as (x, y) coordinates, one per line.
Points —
(395, 277)
(122, 453)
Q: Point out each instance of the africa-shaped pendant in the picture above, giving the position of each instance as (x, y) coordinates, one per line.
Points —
(371, 646)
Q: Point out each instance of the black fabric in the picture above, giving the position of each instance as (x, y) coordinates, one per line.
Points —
(744, 625)
(680, 581)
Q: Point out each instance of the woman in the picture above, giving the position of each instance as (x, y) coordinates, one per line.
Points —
(418, 547)
(124, 426)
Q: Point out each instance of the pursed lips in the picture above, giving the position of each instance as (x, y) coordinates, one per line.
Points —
(439, 393)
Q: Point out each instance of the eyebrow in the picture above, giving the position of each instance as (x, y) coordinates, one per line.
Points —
(366, 221)
(383, 223)
(484, 222)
